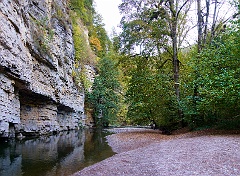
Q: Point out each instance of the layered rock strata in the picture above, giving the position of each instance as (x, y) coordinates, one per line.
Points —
(37, 91)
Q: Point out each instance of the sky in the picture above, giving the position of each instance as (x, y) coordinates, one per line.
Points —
(111, 16)
(110, 13)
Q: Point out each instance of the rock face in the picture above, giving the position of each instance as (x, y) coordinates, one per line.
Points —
(37, 91)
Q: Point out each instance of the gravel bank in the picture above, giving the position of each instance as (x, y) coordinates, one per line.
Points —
(147, 152)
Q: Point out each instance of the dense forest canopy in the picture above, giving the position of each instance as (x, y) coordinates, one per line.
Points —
(148, 73)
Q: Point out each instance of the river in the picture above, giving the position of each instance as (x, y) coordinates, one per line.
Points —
(56, 155)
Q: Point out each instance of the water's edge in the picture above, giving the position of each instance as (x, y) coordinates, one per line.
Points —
(61, 154)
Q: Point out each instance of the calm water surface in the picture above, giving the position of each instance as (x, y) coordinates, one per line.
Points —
(58, 155)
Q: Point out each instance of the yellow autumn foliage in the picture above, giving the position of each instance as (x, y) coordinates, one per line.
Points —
(95, 43)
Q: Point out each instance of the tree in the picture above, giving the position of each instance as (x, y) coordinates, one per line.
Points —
(219, 14)
(155, 27)
(150, 96)
(220, 86)
(104, 97)
(174, 16)
(217, 100)
(99, 39)
(207, 32)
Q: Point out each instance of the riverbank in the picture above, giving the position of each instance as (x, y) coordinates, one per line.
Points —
(148, 152)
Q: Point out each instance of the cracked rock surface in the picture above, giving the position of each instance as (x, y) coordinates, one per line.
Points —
(38, 94)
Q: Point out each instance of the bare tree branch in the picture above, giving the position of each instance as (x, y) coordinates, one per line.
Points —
(182, 7)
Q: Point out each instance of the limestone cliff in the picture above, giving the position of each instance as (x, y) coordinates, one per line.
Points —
(37, 91)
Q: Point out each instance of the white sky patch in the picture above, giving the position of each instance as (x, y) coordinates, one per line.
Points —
(110, 13)
(108, 9)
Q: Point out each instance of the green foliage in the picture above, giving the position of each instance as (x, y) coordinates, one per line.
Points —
(210, 84)
(83, 53)
(84, 10)
(149, 25)
(99, 39)
(155, 31)
(80, 78)
(104, 98)
(150, 94)
(216, 73)
(99, 42)
(84, 80)
(140, 30)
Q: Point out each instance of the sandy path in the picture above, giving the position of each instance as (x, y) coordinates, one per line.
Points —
(146, 152)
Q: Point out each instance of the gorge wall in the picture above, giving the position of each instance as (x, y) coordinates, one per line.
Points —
(37, 91)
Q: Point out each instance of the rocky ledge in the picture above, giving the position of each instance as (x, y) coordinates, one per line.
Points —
(37, 91)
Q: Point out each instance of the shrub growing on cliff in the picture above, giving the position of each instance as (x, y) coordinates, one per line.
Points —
(84, 10)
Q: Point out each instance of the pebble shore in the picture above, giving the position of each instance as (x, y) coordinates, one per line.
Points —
(148, 152)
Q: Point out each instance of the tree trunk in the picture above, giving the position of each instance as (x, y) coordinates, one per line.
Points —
(199, 25)
(214, 21)
(175, 59)
(173, 30)
(206, 23)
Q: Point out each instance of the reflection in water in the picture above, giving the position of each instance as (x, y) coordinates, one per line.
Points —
(58, 155)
